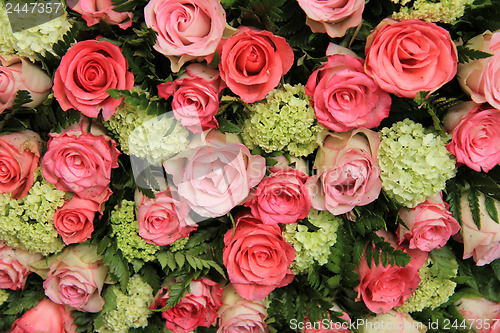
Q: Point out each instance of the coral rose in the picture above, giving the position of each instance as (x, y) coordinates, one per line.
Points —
(20, 74)
(281, 197)
(348, 174)
(253, 61)
(186, 29)
(195, 97)
(94, 11)
(257, 257)
(430, 224)
(86, 71)
(475, 139)
(45, 317)
(344, 97)
(79, 161)
(332, 16)
(163, 220)
(197, 308)
(74, 220)
(383, 288)
(19, 157)
(76, 277)
(15, 266)
(410, 56)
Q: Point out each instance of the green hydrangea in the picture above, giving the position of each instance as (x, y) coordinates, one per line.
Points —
(445, 11)
(158, 139)
(28, 222)
(312, 246)
(179, 244)
(285, 120)
(125, 229)
(132, 308)
(4, 295)
(414, 162)
(432, 290)
(28, 42)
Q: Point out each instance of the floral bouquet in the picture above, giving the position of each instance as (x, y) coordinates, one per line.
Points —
(249, 166)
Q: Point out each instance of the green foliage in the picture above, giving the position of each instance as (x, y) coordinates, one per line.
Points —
(436, 106)
(83, 321)
(21, 301)
(153, 105)
(466, 54)
(119, 269)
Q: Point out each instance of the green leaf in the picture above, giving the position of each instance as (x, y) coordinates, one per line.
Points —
(180, 259)
(473, 198)
(163, 258)
(491, 208)
(225, 126)
(466, 54)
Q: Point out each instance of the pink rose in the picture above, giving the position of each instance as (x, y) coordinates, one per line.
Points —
(281, 197)
(484, 315)
(81, 162)
(93, 11)
(475, 138)
(344, 97)
(348, 174)
(20, 74)
(332, 16)
(241, 315)
(197, 308)
(186, 29)
(257, 257)
(76, 277)
(74, 220)
(253, 61)
(217, 175)
(86, 71)
(46, 317)
(480, 77)
(483, 244)
(163, 220)
(19, 157)
(195, 97)
(14, 266)
(383, 288)
(410, 56)
(430, 224)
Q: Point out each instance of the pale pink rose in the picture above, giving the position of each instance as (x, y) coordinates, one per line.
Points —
(383, 288)
(481, 313)
(46, 317)
(197, 308)
(291, 162)
(430, 224)
(347, 171)
(330, 324)
(163, 220)
(344, 97)
(410, 56)
(74, 221)
(215, 176)
(337, 49)
(281, 197)
(483, 244)
(81, 162)
(14, 266)
(195, 97)
(94, 11)
(19, 157)
(480, 77)
(20, 74)
(475, 139)
(76, 277)
(332, 16)
(186, 29)
(391, 322)
(253, 61)
(241, 315)
(86, 71)
(257, 257)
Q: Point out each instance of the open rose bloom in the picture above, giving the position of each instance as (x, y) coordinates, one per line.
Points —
(15, 266)
(93, 11)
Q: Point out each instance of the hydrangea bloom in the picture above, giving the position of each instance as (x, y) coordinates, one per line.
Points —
(285, 120)
(150, 142)
(312, 246)
(27, 222)
(432, 290)
(132, 307)
(28, 42)
(4, 295)
(414, 162)
(125, 229)
(445, 11)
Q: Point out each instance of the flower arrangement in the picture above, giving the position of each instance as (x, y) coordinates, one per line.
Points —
(250, 166)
